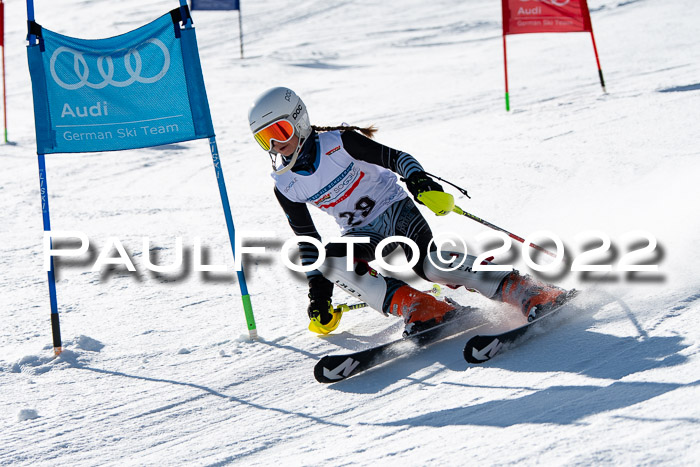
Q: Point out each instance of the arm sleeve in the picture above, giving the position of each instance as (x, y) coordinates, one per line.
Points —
(362, 148)
(301, 223)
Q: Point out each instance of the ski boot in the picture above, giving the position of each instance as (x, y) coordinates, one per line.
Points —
(529, 295)
(419, 310)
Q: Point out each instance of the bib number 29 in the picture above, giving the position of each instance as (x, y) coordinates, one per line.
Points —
(362, 209)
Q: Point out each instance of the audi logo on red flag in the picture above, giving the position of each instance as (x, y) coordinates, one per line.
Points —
(529, 16)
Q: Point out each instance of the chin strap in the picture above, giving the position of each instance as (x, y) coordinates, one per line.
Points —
(289, 166)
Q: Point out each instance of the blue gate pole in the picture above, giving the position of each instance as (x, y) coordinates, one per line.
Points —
(188, 22)
(247, 306)
(245, 296)
(44, 192)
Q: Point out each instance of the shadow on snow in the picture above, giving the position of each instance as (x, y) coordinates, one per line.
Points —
(561, 405)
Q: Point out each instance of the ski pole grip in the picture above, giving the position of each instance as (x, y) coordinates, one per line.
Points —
(343, 307)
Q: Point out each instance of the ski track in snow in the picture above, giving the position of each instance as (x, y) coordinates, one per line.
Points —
(158, 368)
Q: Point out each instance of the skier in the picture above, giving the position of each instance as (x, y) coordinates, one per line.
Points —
(347, 174)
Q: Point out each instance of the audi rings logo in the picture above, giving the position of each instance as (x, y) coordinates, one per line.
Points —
(105, 67)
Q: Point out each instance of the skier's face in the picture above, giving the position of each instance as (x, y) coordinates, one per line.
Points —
(288, 148)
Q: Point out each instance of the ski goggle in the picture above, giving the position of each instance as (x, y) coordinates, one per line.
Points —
(281, 131)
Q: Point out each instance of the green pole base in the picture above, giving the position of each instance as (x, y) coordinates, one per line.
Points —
(250, 319)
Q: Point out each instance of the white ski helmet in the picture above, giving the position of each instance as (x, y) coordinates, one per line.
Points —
(278, 104)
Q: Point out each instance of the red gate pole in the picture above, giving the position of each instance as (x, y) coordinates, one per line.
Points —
(597, 60)
(505, 69)
(588, 26)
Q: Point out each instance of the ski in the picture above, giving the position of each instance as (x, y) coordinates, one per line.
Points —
(482, 348)
(334, 368)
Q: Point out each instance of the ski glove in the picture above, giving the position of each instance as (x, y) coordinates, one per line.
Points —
(320, 306)
(420, 182)
(428, 192)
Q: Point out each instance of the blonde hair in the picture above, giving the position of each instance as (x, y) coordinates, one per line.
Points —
(367, 131)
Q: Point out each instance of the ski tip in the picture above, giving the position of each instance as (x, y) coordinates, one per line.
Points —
(480, 349)
(318, 370)
(328, 370)
(331, 369)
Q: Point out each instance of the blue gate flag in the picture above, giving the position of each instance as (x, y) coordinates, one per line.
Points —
(140, 89)
(216, 4)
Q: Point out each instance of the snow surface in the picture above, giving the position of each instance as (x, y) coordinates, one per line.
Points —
(159, 369)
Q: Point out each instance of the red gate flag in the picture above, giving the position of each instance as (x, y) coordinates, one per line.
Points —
(2, 23)
(525, 16)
